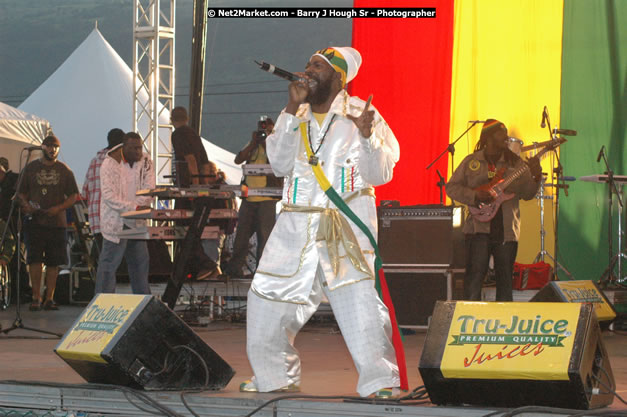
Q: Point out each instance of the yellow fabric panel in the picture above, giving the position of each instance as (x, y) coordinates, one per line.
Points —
(507, 66)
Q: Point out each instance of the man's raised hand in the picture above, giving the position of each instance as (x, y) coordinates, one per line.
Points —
(364, 120)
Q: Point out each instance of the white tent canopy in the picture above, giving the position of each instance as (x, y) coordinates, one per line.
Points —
(19, 130)
(92, 93)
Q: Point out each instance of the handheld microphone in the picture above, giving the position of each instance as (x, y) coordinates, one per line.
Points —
(543, 124)
(567, 132)
(34, 148)
(601, 153)
(476, 121)
(278, 71)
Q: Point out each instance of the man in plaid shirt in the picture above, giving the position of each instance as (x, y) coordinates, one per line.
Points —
(91, 185)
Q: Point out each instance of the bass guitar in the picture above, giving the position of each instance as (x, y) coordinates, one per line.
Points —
(486, 211)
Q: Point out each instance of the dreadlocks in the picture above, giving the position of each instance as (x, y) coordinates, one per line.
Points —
(488, 129)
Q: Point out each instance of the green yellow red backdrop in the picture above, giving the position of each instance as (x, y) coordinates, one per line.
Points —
(482, 59)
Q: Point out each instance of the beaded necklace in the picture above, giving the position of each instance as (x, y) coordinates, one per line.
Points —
(323, 136)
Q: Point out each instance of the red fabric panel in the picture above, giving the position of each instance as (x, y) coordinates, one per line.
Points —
(407, 67)
(397, 338)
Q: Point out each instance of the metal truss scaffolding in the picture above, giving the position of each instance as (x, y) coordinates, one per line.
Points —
(153, 80)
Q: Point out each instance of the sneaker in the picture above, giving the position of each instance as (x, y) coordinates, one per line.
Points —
(387, 393)
(50, 305)
(35, 306)
(249, 386)
(289, 388)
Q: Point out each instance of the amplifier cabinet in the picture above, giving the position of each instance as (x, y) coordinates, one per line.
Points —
(419, 236)
(414, 292)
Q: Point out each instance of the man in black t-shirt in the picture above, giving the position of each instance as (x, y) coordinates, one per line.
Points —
(191, 166)
(190, 159)
(48, 189)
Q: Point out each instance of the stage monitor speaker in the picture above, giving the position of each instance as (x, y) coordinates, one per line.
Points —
(578, 292)
(514, 354)
(136, 340)
(416, 236)
(415, 292)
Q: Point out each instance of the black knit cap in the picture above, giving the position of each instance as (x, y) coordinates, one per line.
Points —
(51, 140)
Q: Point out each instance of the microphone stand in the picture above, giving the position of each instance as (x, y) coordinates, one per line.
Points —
(558, 171)
(18, 323)
(608, 275)
(558, 175)
(441, 185)
(450, 148)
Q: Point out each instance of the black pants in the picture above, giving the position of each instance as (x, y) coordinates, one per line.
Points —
(198, 261)
(253, 217)
(479, 247)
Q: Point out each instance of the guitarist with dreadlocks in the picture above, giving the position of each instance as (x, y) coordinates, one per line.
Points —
(485, 182)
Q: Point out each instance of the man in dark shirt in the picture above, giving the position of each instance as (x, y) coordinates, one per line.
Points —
(8, 182)
(47, 190)
(191, 166)
(257, 214)
(8, 179)
(190, 158)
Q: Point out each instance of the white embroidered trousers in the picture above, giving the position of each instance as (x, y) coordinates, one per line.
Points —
(363, 320)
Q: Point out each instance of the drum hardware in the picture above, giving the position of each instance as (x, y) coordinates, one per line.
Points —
(616, 183)
(515, 145)
(618, 258)
(543, 252)
(557, 174)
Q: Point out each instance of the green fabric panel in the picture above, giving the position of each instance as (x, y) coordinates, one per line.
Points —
(593, 102)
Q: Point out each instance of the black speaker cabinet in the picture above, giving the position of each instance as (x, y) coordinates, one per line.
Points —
(418, 236)
(516, 354)
(136, 340)
(62, 294)
(578, 292)
(414, 292)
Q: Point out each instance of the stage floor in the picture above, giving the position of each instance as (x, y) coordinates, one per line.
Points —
(327, 366)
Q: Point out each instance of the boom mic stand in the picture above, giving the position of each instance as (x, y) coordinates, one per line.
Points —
(18, 323)
(441, 185)
(450, 148)
(557, 173)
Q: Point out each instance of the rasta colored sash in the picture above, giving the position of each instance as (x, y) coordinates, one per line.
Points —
(380, 281)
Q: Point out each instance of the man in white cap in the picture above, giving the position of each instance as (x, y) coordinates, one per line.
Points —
(314, 250)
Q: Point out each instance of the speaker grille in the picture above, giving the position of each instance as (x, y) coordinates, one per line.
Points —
(416, 236)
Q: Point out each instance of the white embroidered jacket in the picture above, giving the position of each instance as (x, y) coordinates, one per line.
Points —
(351, 163)
(119, 182)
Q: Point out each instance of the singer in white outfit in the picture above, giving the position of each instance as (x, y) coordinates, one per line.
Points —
(303, 262)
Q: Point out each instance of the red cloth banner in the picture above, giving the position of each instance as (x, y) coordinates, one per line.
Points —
(407, 68)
